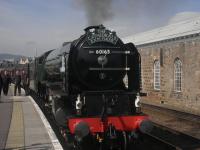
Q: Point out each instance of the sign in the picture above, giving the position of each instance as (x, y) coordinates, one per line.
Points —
(101, 51)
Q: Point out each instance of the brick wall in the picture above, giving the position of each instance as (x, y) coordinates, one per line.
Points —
(188, 51)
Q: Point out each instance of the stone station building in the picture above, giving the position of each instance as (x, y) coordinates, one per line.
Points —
(170, 58)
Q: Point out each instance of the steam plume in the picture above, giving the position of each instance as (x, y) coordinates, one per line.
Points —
(97, 11)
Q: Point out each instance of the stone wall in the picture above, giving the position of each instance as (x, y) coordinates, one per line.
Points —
(188, 51)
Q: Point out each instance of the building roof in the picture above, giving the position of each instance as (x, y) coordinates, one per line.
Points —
(181, 25)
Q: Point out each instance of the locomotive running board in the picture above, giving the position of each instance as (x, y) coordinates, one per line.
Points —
(109, 69)
(112, 52)
(109, 92)
(97, 47)
(94, 48)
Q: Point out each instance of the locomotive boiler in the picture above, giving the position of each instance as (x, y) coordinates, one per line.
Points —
(92, 85)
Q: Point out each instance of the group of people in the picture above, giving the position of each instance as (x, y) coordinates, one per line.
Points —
(19, 78)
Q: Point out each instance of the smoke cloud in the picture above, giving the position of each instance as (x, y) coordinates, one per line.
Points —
(129, 16)
(97, 11)
(135, 16)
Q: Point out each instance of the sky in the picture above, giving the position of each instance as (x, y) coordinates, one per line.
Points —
(31, 27)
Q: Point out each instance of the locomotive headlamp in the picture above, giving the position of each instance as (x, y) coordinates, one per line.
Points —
(137, 101)
(79, 103)
(137, 104)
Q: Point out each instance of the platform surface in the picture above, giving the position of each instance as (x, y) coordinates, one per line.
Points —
(23, 125)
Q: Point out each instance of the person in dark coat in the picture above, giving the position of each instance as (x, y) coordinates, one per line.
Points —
(6, 82)
(23, 78)
(17, 82)
(25, 82)
(1, 83)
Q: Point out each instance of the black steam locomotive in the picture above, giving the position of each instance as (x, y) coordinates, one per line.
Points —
(93, 86)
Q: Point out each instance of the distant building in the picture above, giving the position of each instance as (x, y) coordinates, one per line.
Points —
(23, 61)
(171, 63)
(6, 64)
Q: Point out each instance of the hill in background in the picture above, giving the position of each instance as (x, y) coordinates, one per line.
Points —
(5, 56)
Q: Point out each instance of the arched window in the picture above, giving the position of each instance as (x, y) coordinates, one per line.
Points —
(157, 75)
(177, 75)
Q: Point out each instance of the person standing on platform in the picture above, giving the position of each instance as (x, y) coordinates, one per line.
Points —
(23, 76)
(1, 83)
(17, 83)
(6, 82)
(25, 82)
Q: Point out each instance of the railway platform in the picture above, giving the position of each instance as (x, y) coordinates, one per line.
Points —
(23, 125)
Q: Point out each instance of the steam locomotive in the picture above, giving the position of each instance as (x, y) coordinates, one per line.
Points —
(92, 86)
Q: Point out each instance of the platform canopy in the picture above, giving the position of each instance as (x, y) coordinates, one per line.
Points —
(183, 24)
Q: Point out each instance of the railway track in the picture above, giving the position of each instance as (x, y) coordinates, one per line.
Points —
(180, 140)
(157, 143)
(171, 132)
(178, 114)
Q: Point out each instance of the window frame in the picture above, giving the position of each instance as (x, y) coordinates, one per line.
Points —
(178, 75)
(156, 75)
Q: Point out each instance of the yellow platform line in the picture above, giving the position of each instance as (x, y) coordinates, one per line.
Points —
(15, 138)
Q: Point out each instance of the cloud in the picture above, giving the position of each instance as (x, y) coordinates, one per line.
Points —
(21, 31)
(46, 24)
(128, 16)
(31, 43)
(134, 16)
